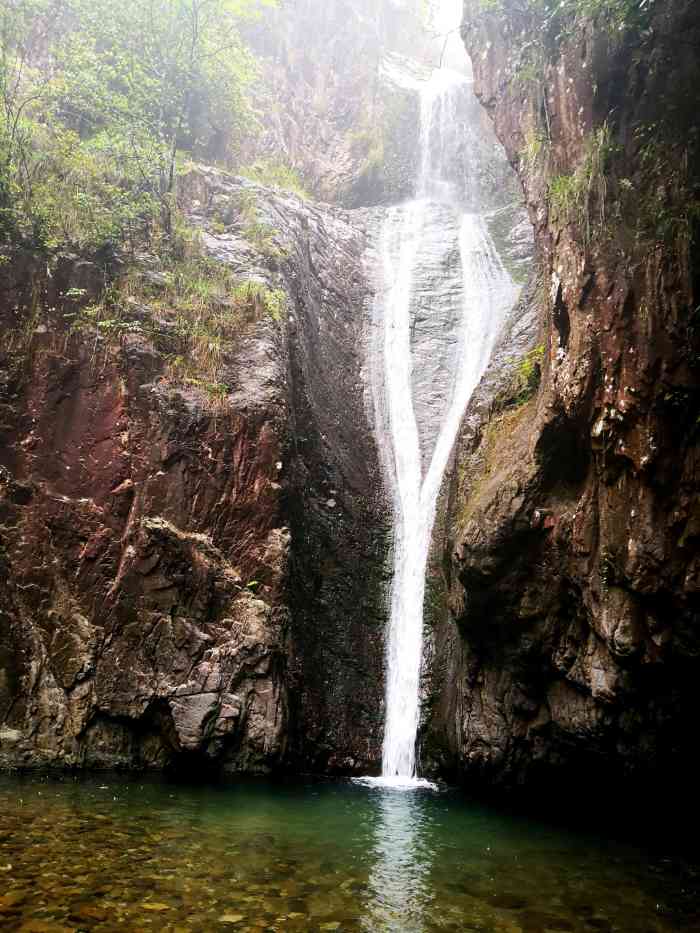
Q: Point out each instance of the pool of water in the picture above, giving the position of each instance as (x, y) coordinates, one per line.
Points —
(115, 854)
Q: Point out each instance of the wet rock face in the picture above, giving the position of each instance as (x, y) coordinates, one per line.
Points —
(339, 518)
(435, 335)
(570, 636)
(133, 516)
(334, 499)
(327, 107)
(180, 578)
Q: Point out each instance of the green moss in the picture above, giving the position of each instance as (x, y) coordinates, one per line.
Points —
(499, 450)
(192, 311)
(529, 374)
(275, 174)
(524, 380)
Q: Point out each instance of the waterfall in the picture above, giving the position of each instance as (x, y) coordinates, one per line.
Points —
(442, 300)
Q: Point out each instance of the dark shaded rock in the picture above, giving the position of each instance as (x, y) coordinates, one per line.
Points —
(508, 902)
(568, 643)
(338, 517)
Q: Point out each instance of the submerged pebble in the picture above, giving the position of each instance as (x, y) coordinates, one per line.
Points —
(261, 859)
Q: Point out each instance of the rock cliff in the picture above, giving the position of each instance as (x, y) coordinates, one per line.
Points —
(192, 517)
(193, 568)
(180, 566)
(328, 108)
(568, 647)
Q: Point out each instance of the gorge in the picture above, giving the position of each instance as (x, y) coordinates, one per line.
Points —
(349, 422)
(475, 296)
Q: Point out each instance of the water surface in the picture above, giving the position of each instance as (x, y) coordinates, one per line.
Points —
(111, 854)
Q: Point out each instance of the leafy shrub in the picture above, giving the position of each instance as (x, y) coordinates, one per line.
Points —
(98, 98)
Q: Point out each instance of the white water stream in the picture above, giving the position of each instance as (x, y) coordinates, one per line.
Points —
(441, 229)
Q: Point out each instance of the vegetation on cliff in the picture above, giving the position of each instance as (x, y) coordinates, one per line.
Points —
(574, 550)
(103, 107)
(629, 177)
(99, 102)
(616, 14)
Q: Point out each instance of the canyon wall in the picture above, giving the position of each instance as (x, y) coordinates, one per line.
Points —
(194, 566)
(190, 576)
(193, 572)
(325, 104)
(568, 641)
(134, 514)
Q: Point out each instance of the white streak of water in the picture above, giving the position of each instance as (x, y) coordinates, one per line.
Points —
(486, 293)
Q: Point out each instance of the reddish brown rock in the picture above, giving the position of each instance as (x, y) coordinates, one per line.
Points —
(174, 589)
(570, 646)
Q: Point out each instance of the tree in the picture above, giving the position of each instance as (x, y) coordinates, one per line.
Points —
(114, 94)
(26, 80)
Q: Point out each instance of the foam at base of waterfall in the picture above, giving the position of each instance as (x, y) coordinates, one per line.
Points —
(396, 783)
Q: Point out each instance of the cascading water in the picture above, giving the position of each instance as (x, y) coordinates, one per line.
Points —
(438, 264)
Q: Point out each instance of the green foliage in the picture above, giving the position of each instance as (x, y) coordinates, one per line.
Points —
(620, 14)
(260, 297)
(192, 310)
(528, 374)
(275, 175)
(85, 193)
(524, 380)
(98, 98)
(258, 233)
(662, 199)
(368, 141)
(378, 140)
(262, 237)
(535, 146)
(573, 198)
(616, 14)
(564, 195)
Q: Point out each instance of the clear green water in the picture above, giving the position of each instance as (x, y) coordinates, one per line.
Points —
(112, 854)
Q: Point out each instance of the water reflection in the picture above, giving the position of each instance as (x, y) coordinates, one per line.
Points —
(324, 857)
(399, 882)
